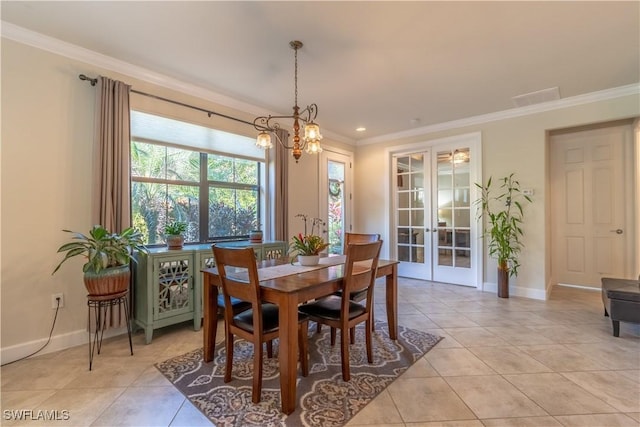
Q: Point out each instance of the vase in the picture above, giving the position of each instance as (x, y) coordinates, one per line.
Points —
(308, 260)
(255, 236)
(175, 241)
(503, 282)
(109, 281)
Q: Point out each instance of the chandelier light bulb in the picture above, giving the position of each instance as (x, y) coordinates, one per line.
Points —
(312, 132)
(264, 140)
(313, 147)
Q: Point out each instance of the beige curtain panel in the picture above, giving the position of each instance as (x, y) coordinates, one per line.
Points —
(281, 189)
(112, 170)
(112, 156)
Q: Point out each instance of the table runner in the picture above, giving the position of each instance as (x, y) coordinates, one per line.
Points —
(275, 271)
(289, 269)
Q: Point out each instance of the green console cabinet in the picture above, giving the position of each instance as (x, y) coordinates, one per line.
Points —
(168, 283)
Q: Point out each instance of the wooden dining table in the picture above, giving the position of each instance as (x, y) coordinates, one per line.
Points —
(288, 292)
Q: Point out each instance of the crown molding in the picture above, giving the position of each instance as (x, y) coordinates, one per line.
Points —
(50, 44)
(632, 89)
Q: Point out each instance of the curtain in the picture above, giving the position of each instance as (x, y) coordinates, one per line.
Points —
(112, 200)
(281, 186)
(111, 181)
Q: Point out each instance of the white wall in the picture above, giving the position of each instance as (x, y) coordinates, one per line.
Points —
(517, 145)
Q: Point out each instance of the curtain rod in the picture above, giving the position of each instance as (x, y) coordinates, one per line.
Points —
(209, 113)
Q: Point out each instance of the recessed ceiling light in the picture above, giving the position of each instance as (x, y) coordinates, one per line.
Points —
(361, 129)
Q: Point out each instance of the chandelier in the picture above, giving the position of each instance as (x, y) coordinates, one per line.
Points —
(310, 140)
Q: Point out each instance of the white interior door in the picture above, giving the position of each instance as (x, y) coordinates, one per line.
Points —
(588, 190)
(335, 197)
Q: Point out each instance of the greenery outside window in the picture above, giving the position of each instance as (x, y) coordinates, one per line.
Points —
(218, 195)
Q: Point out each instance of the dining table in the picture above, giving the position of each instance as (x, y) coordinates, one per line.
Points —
(287, 286)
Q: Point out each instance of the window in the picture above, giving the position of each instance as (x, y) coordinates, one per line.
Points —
(219, 195)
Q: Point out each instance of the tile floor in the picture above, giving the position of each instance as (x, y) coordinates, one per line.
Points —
(503, 362)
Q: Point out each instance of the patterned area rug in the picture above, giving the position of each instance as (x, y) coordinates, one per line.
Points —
(324, 399)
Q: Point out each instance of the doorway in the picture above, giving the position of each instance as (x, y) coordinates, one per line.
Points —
(335, 197)
(434, 233)
(592, 225)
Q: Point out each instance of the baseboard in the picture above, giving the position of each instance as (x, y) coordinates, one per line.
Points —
(586, 288)
(57, 343)
(517, 291)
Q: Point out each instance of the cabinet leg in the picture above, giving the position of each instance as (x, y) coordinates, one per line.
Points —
(148, 335)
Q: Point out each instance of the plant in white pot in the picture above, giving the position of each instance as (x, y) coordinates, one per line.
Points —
(502, 209)
(307, 247)
(174, 234)
(107, 255)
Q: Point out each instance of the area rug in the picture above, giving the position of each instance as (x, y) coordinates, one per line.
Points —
(324, 399)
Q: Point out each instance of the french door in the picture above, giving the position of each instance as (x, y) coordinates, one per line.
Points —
(413, 214)
(434, 225)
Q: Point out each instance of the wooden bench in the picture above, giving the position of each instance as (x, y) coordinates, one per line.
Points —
(621, 298)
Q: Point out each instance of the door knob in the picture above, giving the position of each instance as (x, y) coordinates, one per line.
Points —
(618, 231)
(426, 230)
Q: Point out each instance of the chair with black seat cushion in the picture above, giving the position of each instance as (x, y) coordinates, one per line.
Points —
(239, 277)
(343, 313)
(356, 296)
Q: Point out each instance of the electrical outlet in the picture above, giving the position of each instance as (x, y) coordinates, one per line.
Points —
(54, 300)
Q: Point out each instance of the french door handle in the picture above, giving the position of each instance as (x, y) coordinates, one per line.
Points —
(617, 231)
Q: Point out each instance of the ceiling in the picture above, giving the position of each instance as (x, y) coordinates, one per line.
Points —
(391, 66)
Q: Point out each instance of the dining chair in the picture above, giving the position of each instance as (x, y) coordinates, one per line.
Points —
(238, 274)
(343, 313)
(356, 296)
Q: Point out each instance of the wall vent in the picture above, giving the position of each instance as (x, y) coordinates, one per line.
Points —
(538, 97)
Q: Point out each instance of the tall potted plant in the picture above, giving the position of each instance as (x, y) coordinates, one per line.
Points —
(107, 256)
(502, 209)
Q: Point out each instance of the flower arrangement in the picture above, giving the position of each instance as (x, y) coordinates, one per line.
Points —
(308, 244)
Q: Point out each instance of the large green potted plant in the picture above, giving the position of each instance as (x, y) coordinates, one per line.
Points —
(173, 234)
(502, 209)
(107, 257)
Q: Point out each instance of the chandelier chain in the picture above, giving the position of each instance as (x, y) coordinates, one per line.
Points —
(295, 78)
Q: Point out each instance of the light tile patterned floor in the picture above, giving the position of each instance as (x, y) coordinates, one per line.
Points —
(503, 362)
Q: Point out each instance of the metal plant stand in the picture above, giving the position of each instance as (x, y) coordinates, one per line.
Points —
(100, 304)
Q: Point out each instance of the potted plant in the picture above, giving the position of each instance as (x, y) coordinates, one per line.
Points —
(255, 235)
(501, 207)
(106, 270)
(173, 234)
(307, 247)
